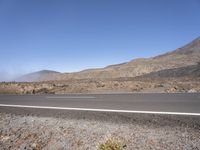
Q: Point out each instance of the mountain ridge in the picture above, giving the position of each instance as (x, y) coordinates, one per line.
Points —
(187, 55)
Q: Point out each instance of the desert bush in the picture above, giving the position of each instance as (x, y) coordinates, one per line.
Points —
(111, 144)
(99, 85)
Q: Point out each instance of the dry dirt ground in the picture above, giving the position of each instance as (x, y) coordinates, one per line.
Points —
(75, 130)
(168, 85)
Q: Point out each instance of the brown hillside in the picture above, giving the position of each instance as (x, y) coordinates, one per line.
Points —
(187, 55)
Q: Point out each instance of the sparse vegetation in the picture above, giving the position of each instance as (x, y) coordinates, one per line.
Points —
(169, 85)
(111, 144)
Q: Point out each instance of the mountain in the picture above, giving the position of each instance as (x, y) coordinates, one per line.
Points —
(185, 56)
(192, 71)
(188, 55)
(42, 75)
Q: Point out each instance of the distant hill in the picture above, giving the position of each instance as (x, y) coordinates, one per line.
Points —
(42, 75)
(188, 55)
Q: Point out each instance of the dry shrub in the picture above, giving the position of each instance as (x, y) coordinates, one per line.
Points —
(111, 144)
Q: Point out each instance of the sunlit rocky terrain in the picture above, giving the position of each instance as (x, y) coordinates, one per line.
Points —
(30, 129)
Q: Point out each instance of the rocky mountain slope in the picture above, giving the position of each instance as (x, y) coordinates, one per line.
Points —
(187, 55)
(192, 71)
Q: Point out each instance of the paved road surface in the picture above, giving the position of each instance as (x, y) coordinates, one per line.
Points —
(179, 102)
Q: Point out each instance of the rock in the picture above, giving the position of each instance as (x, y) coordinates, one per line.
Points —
(5, 138)
(25, 147)
(34, 145)
(192, 91)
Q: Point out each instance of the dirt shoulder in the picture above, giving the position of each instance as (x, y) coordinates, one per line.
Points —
(28, 129)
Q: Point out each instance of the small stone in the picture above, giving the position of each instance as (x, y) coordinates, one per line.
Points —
(192, 91)
(34, 145)
(5, 138)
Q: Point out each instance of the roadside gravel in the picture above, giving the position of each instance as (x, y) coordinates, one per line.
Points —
(74, 130)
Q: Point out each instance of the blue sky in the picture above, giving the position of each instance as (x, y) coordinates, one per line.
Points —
(71, 35)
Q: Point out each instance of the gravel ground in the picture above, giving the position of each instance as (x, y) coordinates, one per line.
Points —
(25, 129)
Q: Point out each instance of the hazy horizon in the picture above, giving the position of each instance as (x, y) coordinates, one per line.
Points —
(69, 36)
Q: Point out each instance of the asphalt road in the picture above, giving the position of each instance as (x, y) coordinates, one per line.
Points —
(179, 102)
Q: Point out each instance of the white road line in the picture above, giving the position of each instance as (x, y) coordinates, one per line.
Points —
(71, 97)
(103, 110)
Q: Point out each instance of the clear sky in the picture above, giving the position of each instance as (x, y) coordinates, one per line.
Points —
(71, 35)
